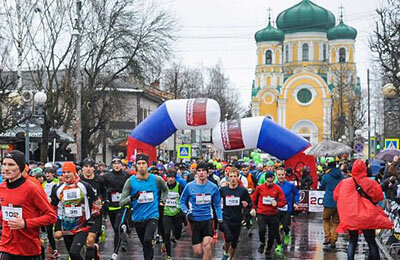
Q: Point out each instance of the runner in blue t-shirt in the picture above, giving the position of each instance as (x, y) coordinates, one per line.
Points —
(201, 194)
(141, 192)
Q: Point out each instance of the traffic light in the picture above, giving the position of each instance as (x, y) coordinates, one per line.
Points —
(378, 146)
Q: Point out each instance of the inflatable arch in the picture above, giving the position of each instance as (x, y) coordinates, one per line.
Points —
(230, 135)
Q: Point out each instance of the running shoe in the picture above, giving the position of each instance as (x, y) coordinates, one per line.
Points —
(225, 257)
(215, 234)
(124, 246)
(169, 258)
(98, 256)
(114, 256)
(278, 249)
(157, 238)
(261, 248)
(55, 254)
(163, 248)
(286, 239)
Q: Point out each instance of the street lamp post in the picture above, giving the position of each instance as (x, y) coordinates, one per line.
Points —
(77, 33)
(31, 112)
(391, 111)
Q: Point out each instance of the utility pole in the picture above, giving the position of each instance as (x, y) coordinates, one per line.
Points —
(176, 73)
(19, 43)
(78, 82)
(369, 119)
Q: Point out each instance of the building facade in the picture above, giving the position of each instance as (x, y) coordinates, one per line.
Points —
(297, 69)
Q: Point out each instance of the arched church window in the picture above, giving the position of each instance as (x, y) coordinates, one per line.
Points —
(305, 52)
(268, 57)
(324, 52)
(342, 55)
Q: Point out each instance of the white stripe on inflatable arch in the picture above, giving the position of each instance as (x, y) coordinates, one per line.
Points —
(177, 112)
(250, 128)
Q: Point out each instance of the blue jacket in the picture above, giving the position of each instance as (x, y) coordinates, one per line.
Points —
(329, 182)
(290, 191)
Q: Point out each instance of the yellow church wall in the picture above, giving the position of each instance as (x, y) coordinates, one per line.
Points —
(295, 52)
(351, 55)
(260, 57)
(312, 112)
(316, 51)
(269, 109)
(333, 56)
(277, 56)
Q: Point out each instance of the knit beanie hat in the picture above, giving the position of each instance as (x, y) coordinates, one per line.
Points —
(269, 174)
(142, 156)
(18, 157)
(88, 161)
(69, 166)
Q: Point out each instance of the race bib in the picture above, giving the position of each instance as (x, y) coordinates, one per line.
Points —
(284, 208)
(11, 212)
(173, 195)
(47, 189)
(232, 201)
(73, 212)
(170, 202)
(146, 197)
(202, 199)
(71, 194)
(267, 200)
(115, 197)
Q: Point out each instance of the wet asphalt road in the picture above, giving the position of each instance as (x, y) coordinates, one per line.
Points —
(306, 243)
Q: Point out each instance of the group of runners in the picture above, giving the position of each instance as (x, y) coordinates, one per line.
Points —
(75, 205)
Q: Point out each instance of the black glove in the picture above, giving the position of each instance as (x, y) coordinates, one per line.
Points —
(135, 196)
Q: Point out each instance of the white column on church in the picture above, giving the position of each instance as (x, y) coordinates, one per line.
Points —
(327, 117)
(282, 112)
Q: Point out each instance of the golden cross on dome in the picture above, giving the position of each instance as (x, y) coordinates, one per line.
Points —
(341, 12)
(269, 13)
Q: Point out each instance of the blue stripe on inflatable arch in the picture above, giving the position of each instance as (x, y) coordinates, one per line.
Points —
(278, 141)
(156, 128)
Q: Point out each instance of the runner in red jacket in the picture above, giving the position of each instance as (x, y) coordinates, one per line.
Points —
(24, 210)
(267, 198)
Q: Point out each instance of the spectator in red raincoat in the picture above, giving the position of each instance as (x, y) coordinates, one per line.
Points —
(358, 213)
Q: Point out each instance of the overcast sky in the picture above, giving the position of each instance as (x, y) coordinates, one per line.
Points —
(223, 31)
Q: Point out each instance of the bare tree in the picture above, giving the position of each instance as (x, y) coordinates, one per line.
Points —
(41, 36)
(219, 87)
(182, 82)
(210, 82)
(120, 39)
(346, 97)
(385, 43)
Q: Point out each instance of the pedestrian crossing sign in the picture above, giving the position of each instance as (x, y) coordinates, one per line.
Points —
(392, 143)
(184, 151)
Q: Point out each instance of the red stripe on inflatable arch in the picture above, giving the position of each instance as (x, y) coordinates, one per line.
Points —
(196, 112)
(141, 147)
(299, 160)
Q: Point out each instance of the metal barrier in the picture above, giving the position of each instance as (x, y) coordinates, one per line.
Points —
(389, 240)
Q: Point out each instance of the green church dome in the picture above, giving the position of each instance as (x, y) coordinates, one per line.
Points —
(269, 34)
(342, 31)
(305, 17)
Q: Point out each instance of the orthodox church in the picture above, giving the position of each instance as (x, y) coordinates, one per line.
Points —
(297, 65)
